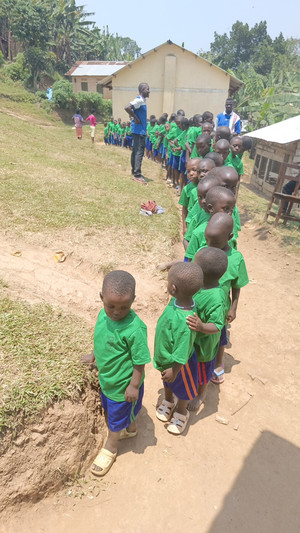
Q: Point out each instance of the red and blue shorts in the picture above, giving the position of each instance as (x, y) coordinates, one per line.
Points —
(205, 371)
(185, 386)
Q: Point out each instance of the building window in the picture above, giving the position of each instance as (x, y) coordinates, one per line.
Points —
(262, 168)
(100, 89)
(273, 172)
(84, 86)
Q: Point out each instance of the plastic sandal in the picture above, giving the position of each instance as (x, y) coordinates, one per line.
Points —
(164, 411)
(216, 379)
(127, 434)
(178, 423)
(105, 459)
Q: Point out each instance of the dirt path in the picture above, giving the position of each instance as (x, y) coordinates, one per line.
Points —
(239, 477)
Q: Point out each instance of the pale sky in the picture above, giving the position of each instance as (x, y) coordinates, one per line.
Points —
(192, 22)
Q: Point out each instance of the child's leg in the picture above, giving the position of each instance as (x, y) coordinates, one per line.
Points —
(205, 371)
(218, 375)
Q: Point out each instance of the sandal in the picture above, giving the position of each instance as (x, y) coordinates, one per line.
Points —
(104, 460)
(124, 434)
(216, 378)
(178, 423)
(164, 411)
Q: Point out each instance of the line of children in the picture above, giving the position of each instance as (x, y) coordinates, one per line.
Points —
(191, 332)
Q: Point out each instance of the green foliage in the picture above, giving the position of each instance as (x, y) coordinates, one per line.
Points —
(2, 60)
(86, 101)
(17, 70)
(63, 94)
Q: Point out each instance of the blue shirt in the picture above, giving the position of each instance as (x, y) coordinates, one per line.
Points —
(233, 121)
(140, 110)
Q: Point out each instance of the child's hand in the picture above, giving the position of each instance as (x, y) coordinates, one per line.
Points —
(137, 120)
(194, 322)
(231, 315)
(131, 393)
(169, 375)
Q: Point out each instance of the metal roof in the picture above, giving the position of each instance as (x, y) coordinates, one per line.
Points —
(283, 132)
(97, 70)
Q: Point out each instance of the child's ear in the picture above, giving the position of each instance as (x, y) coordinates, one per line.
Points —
(209, 208)
(230, 236)
(173, 289)
(133, 298)
(101, 296)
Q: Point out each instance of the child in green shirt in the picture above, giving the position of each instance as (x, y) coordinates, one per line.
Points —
(184, 200)
(218, 234)
(174, 354)
(202, 146)
(218, 200)
(121, 352)
(209, 318)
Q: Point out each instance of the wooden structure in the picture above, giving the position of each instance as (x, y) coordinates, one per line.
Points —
(286, 201)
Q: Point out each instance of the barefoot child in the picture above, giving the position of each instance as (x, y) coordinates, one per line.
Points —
(121, 352)
(209, 318)
(218, 234)
(174, 354)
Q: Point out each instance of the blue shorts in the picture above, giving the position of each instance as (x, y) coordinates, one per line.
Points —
(182, 162)
(175, 161)
(164, 152)
(106, 140)
(186, 259)
(206, 371)
(121, 414)
(155, 152)
(223, 338)
(185, 386)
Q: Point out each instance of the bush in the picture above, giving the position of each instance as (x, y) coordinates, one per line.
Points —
(63, 95)
(16, 70)
(86, 101)
(2, 60)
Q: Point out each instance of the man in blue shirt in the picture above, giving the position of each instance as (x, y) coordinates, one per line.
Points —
(229, 118)
(137, 109)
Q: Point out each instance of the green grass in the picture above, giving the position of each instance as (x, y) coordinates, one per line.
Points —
(39, 360)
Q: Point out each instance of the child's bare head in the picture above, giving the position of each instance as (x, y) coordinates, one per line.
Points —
(118, 293)
(192, 168)
(219, 200)
(204, 166)
(222, 132)
(219, 230)
(207, 116)
(185, 279)
(209, 181)
(197, 119)
(222, 147)
(203, 144)
(236, 145)
(216, 158)
(228, 177)
(207, 127)
(213, 263)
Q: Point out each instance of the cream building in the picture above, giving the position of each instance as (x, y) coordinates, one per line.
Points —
(177, 78)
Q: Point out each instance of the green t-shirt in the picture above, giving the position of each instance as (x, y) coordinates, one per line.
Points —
(194, 132)
(106, 131)
(210, 307)
(193, 199)
(235, 162)
(174, 340)
(198, 241)
(199, 217)
(118, 346)
(186, 193)
(236, 275)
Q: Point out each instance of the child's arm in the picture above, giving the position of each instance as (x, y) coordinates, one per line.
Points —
(196, 324)
(132, 391)
(184, 215)
(235, 294)
(169, 375)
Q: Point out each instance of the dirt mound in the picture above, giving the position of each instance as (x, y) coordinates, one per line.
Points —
(52, 451)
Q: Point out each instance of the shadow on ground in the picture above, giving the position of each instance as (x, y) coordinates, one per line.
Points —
(265, 496)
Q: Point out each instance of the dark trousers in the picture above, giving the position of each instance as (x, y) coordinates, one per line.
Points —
(137, 153)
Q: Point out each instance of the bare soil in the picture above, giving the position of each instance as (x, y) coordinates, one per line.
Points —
(241, 476)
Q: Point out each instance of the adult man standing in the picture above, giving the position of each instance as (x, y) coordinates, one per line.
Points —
(137, 109)
(229, 118)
